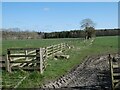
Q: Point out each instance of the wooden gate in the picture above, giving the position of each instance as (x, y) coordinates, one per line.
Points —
(31, 58)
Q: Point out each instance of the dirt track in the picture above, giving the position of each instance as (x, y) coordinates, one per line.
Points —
(92, 73)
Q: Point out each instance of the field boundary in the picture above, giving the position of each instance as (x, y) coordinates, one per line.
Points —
(115, 72)
(31, 58)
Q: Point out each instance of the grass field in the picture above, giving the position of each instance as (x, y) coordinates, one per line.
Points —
(58, 67)
(33, 43)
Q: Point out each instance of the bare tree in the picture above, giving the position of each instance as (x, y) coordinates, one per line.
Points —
(89, 26)
(87, 23)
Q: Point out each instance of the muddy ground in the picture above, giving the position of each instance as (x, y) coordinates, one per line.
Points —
(92, 74)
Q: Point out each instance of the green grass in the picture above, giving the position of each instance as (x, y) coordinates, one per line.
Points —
(33, 43)
(77, 54)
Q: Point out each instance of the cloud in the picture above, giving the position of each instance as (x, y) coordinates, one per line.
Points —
(46, 9)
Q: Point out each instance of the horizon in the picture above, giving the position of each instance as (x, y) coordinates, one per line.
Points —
(19, 30)
(56, 17)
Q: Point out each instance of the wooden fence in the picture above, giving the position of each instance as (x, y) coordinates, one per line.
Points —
(115, 72)
(31, 58)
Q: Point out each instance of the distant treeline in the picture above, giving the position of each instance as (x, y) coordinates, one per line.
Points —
(10, 34)
(80, 33)
(18, 34)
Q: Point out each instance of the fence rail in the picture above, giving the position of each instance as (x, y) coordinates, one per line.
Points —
(115, 72)
(31, 58)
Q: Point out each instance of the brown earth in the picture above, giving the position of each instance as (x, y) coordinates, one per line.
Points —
(92, 74)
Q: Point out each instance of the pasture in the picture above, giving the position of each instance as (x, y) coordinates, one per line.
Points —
(56, 68)
(33, 43)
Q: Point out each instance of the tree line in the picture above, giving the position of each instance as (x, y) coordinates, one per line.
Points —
(10, 34)
(81, 33)
(87, 31)
(19, 34)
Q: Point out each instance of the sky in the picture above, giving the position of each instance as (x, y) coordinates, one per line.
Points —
(58, 16)
(60, 0)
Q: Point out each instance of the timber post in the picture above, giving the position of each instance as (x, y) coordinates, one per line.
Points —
(26, 53)
(41, 60)
(8, 68)
(111, 71)
(52, 50)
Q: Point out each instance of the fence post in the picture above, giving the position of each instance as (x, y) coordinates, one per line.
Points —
(111, 71)
(41, 61)
(52, 50)
(8, 68)
(26, 53)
